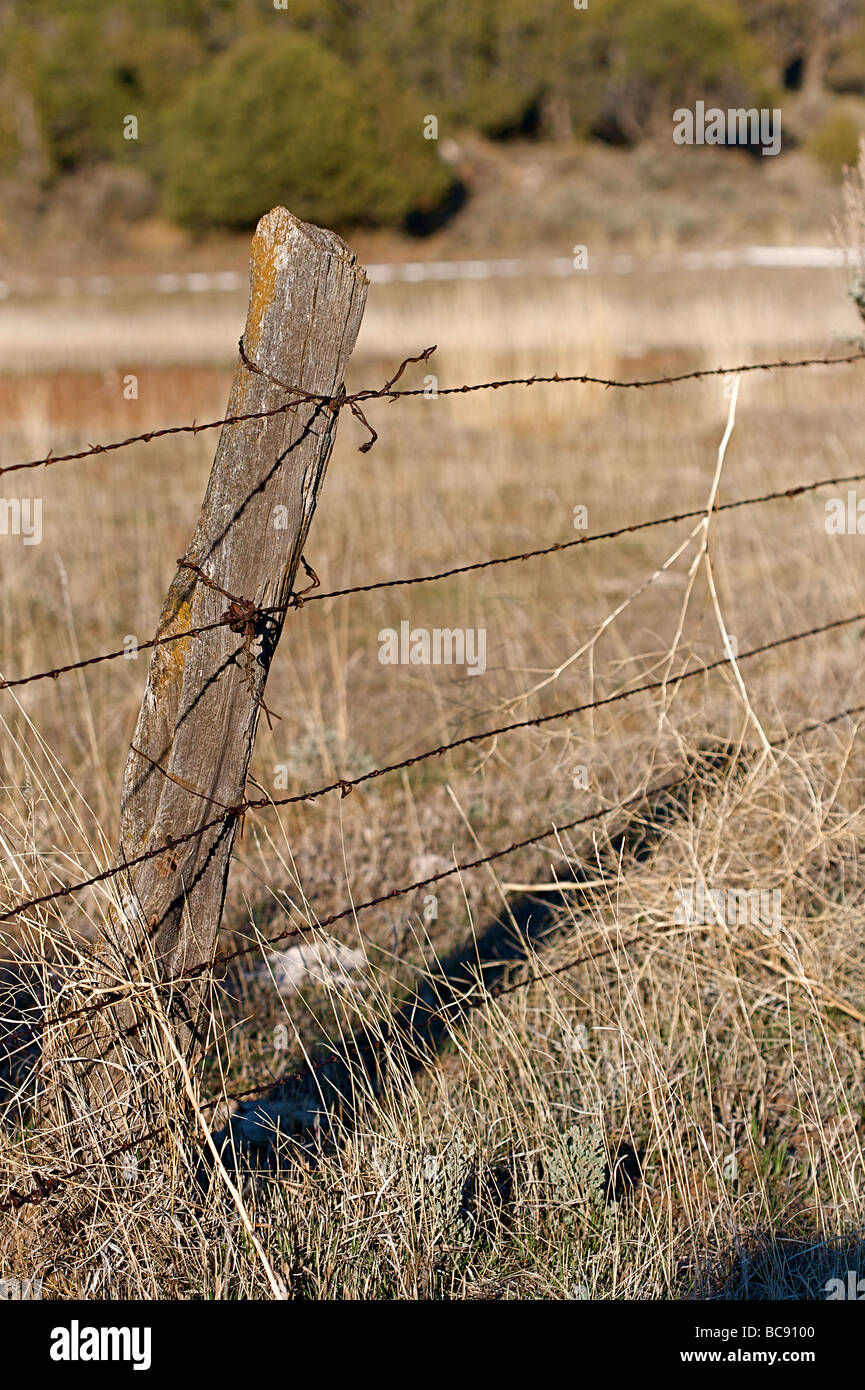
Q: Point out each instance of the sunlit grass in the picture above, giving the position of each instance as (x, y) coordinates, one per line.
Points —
(725, 1060)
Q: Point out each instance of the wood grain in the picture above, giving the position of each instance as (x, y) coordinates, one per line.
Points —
(202, 703)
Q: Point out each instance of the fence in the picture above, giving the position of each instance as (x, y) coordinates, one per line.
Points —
(251, 621)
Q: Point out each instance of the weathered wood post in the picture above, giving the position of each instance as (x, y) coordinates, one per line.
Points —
(203, 699)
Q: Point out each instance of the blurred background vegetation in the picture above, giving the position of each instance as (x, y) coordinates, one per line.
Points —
(322, 104)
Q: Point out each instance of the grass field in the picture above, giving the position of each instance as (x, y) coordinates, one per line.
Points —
(679, 1115)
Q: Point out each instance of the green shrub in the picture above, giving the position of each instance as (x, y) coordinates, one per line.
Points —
(278, 119)
(835, 142)
(846, 70)
(669, 53)
(476, 61)
(77, 93)
(76, 75)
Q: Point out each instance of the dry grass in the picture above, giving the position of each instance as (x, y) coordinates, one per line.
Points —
(681, 1114)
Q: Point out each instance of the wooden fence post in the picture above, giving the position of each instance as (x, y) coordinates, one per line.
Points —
(203, 699)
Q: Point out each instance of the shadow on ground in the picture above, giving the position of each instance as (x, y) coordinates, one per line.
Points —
(498, 958)
(812, 1267)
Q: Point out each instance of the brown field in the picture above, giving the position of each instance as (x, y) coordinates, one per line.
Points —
(714, 1069)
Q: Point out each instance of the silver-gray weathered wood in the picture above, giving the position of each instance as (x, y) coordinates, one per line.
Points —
(203, 700)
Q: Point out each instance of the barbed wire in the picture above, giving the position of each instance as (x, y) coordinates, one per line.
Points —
(57, 671)
(387, 392)
(344, 785)
(629, 530)
(45, 1186)
(309, 596)
(111, 998)
(636, 383)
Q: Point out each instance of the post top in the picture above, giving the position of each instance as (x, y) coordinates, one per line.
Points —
(284, 251)
(279, 228)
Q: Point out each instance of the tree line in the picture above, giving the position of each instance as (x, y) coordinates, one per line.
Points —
(325, 104)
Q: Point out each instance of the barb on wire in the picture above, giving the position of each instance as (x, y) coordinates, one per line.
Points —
(335, 403)
(307, 595)
(113, 997)
(45, 1186)
(345, 785)
(388, 392)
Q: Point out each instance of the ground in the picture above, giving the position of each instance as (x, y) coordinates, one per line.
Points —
(680, 1113)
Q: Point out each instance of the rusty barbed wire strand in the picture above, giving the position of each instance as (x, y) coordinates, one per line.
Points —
(387, 392)
(111, 998)
(556, 547)
(346, 785)
(241, 611)
(110, 656)
(45, 1186)
(303, 397)
(308, 596)
(636, 384)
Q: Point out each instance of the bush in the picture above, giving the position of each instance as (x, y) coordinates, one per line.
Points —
(277, 119)
(77, 96)
(835, 142)
(669, 53)
(74, 80)
(845, 73)
(476, 61)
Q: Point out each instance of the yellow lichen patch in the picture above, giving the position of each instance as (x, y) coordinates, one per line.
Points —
(169, 661)
(268, 255)
(268, 245)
